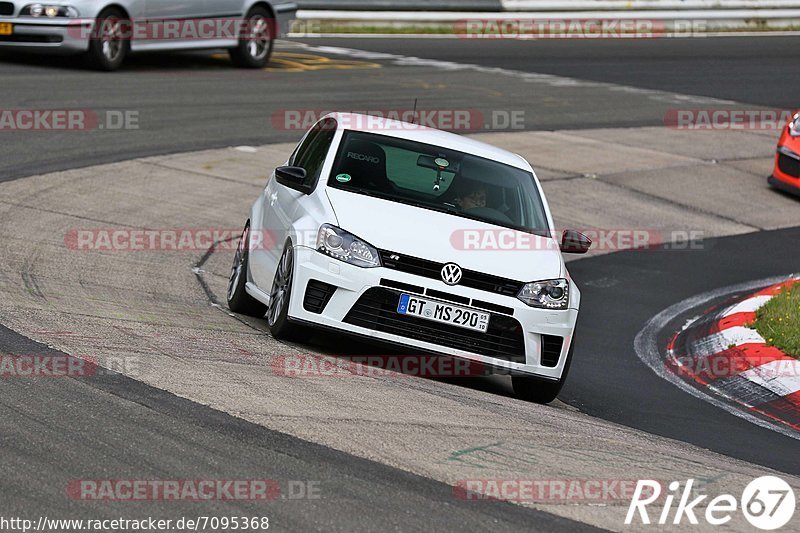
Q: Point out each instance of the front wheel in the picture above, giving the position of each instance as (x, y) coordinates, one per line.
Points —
(279, 297)
(256, 40)
(538, 390)
(238, 299)
(110, 41)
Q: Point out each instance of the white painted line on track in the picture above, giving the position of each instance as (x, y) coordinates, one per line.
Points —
(530, 77)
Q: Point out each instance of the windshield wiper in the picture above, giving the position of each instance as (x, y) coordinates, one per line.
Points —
(432, 207)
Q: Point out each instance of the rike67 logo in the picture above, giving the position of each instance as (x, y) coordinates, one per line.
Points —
(767, 502)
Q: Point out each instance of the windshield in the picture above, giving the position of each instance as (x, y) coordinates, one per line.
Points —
(440, 179)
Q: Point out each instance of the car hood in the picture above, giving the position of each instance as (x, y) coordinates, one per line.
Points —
(446, 238)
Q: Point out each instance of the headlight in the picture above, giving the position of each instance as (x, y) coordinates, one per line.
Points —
(346, 247)
(47, 11)
(794, 126)
(549, 294)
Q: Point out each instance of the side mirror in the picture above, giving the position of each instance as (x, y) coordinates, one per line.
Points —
(575, 242)
(294, 178)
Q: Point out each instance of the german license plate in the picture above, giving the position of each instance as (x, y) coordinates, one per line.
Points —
(6, 28)
(443, 312)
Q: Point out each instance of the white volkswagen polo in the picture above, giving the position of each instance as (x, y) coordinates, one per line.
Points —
(416, 237)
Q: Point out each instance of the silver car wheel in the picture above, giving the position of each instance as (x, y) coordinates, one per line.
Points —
(279, 296)
(111, 36)
(259, 38)
(238, 263)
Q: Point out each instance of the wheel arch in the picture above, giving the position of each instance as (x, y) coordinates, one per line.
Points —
(273, 19)
(261, 3)
(116, 6)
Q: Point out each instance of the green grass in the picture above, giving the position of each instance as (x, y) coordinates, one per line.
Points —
(778, 321)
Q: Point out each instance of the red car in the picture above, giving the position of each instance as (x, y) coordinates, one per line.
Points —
(786, 175)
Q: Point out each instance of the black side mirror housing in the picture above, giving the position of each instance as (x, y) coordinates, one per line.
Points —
(575, 242)
(294, 178)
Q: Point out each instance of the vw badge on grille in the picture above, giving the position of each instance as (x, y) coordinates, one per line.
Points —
(451, 274)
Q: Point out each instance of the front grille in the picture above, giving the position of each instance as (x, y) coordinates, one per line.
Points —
(405, 287)
(551, 350)
(318, 294)
(377, 310)
(416, 289)
(433, 293)
(6, 8)
(433, 270)
(493, 307)
(789, 165)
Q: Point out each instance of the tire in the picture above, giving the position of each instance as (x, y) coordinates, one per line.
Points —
(279, 299)
(539, 390)
(257, 40)
(109, 43)
(238, 299)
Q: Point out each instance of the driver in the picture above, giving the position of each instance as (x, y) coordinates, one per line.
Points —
(471, 194)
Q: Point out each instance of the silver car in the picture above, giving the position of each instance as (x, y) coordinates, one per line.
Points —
(106, 31)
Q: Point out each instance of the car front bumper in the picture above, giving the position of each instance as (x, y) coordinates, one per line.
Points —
(786, 172)
(351, 308)
(54, 36)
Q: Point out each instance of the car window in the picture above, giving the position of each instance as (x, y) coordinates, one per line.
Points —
(312, 152)
(440, 179)
(303, 146)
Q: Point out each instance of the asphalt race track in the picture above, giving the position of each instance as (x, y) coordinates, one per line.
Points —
(749, 70)
(648, 282)
(388, 444)
(195, 101)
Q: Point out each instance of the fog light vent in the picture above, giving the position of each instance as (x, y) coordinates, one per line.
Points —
(318, 294)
